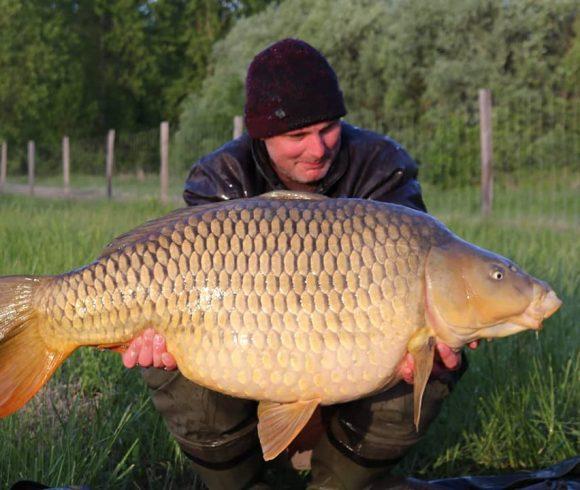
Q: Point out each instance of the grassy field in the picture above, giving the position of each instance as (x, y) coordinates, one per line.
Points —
(516, 407)
(548, 195)
(126, 187)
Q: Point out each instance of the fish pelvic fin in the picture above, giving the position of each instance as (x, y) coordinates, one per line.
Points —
(422, 347)
(280, 423)
(26, 362)
(119, 348)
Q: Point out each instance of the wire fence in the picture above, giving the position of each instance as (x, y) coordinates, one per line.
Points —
(536, 161)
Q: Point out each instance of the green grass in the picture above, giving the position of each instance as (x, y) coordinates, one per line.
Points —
(92, 424)
(542, 199)
(516, 407)
(124, 186)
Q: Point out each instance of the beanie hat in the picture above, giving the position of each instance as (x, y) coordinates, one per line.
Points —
(290, 85)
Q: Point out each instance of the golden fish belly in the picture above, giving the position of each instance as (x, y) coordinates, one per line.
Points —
(262, 298)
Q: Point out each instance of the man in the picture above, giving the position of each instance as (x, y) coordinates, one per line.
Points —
(296, 140)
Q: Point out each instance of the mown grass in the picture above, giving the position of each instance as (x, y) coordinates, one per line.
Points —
(516, 407)
(93, 423)
(127, 187)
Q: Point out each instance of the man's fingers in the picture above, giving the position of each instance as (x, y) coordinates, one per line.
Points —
(131, 355)
(158, 349)
(451, 359)
(168, 361)
(149, 349)
(446, 359)
(130, 358)
(162, 358)
(473, 345)
(146, 354)
(406, 368)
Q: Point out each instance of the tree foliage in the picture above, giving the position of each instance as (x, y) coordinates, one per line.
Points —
(82, 67)
(39, 76)
(409, 68)
(406, 66)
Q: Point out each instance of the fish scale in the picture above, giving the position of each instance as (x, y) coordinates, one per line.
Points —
(323, 291)
(291, 299)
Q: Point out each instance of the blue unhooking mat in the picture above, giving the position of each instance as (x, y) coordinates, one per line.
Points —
(561, 476)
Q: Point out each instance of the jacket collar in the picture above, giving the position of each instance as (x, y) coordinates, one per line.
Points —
(335, 172)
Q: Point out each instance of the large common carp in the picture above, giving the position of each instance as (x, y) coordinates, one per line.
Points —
(291, 299)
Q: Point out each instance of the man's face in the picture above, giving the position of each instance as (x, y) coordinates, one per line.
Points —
(302, 157)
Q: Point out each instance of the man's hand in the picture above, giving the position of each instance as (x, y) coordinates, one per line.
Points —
(148, 350)
(446, 359)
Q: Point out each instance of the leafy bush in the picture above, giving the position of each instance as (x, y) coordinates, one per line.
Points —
(405, 67)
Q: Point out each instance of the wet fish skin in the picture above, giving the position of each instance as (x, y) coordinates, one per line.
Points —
(294, 300)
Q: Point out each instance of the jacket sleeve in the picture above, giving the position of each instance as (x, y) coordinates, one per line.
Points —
(389, 174)
(407, 191)
(216, 177)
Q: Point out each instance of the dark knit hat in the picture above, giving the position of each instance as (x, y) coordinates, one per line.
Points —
(290, 85)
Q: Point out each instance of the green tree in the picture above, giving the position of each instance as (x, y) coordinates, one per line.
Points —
(118, 63)
(222, 92)
(41, 91)
(80, 68)
(407, 66)
(183, 33)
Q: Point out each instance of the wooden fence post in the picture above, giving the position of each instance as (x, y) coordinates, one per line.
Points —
(66, 165)
(486, 151)
(164, 154)
(3, 166)
(110, 161)
(238, 126)
(31, 167)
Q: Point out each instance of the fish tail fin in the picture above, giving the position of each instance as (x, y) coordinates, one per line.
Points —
(26, 362)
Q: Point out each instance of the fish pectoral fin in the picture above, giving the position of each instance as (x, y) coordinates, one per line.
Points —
(120, 348)
(422, 348)
(280, 423)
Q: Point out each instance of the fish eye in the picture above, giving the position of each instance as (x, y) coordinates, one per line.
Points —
(497, 274)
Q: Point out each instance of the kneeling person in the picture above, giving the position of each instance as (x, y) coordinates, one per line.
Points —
(297, 141)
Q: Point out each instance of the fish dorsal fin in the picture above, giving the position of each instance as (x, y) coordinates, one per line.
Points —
(280, 423)
(154, 226)
(294, 195)
(422, 348)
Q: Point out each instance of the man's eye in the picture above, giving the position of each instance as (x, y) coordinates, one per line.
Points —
(328, 129)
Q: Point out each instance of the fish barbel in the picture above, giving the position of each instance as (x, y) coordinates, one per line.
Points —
(291, 299)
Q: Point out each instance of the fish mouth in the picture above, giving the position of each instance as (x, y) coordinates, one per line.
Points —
(552, 304)
(544, 305)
